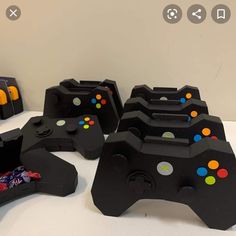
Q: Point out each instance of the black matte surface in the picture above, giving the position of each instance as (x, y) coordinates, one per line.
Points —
(127, 172)
(169, 107)
(169, 93)
(43, 132)
(142, 125)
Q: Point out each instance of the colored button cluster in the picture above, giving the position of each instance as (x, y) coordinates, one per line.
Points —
(187, 97)
(98, 101)
(86, 122)
(206, 132)
(221, 173)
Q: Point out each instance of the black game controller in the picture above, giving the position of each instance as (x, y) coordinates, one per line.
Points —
(57, 176)
(164, 93)
(111, 85)
(192, 107)
(83, 134)
(202, 175)
(172, 126)
(72, 101)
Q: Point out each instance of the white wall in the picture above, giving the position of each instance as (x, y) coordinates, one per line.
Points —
(124, 40)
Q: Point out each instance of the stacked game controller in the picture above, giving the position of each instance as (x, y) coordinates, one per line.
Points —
(168, 147)
(73, 113)
(73, 99)
(71, 121)
(10, 98)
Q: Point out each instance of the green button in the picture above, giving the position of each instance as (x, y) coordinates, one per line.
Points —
(210, 180)
(86, 126)
(98, 106)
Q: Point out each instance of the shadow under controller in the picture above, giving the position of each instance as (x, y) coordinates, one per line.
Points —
(202, 176)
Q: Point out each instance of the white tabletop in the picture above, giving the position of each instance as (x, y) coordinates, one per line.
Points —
(41, 214)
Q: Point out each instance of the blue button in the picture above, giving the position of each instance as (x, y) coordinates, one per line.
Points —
(202, 171)
(182, 100)
(93, 101)
(81, 122)
(197, 138)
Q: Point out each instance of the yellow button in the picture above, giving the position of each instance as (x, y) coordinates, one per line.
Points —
(194, 114)
(14, 94)
(188, 95)
(87, 118)
(98, 96)
(213, 164)
(206, 131)
(3, 97)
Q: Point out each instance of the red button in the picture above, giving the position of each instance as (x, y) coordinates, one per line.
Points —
(214, 137)
(222, 173)
(91, 122)
(104, 102)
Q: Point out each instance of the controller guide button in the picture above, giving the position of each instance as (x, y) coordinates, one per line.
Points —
(165, 168)
(163, 98)
(168, 135)
(206, 131)
(213, 164)
(76, 101)
(61, 122)
(188, 95)
(222, 173)
(194, 114)
(210, 180)
(202, 171)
